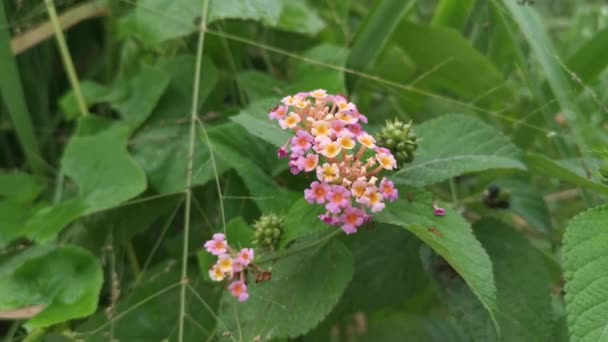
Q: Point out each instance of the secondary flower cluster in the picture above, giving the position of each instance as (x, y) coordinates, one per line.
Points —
(329, 141)
(230, 265)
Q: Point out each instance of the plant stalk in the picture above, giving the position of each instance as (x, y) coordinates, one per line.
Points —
(188, 200)
(66, 57)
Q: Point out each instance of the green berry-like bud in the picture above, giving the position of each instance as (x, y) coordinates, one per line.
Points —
(399, 137)
(268, 231)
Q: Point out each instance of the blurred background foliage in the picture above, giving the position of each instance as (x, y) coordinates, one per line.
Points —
(92, 203)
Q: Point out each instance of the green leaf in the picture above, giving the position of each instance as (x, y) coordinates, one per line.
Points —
(450, 236)
(145, 90)
(527, 202)
(467, 313)
(247, 155)
(295, 300)
(401, 326)
(453, 13)
(587, 62)
(150, 313)
(456, 144)
(65, 280)
(388, 272)
(239, 233)
(20, 187)
(259, 85)
(586, 272)
(525, 312)
(447, 59)
(162, 151)
(302, 219)
(571, 171)
(255, 120)
(96, 159)
(373, 34)
(14, 215)
(309, 76)
(298, 17)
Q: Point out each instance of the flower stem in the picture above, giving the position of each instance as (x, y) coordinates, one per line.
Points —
(188, 199)
(66, 57)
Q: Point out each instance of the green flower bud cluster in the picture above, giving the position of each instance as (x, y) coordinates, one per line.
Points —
(399, 137)
(268, 231)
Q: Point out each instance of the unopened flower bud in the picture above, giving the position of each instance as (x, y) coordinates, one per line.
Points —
(400, 138)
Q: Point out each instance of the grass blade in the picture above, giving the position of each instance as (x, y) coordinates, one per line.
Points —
(14, 98)
(373, 34)
(453, 13)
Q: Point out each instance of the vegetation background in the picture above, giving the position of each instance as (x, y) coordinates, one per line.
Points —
(129, 135)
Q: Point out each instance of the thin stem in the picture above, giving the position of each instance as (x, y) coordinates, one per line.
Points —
(66, 57)
(188, 200)
(454, 191)
(133, 262)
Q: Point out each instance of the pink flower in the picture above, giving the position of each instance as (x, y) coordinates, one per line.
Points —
(438, 211)
(245, 256)
(372, 199)
(278, 113)
(239, 290)
(358, 188)
(301, 143)
(352, 219)
(217, 245)
(386, 160)
(387, 188)
(290, 121)
(225, 263)
(308, 163)
(316, 193)
(337, 126)
(282, 153)
(337, 198)
(355, 129)
(329, 219)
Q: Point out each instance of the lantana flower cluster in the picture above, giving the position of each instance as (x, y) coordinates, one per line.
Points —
(231, 265)
(330, 142)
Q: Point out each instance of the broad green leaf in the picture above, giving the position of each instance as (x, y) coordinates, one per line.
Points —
(523, 286)
(259, 85)
(586, 273)
(20, 187)
(453, 13)
(389, 273)
(571, 171)
(150, 312)
(65, 280)
(456, 144)
(14, 215)
(239, 233)
(466, 312)
(450, 236)
(446, 59)
(145, 90)
(297, 16)
(307, 75)
(94, 93)
(526, 202)
(247, 155)
(255, 120)
(302, 219)
(373, 34)
(162, 152)
(303, 290)
(408, 327)
(587, 62)
(96, 159)
(267, 11)
(532, 29)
